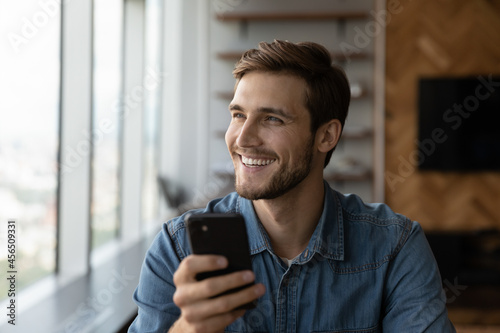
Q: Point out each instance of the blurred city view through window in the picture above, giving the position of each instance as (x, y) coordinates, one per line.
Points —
(29, 136)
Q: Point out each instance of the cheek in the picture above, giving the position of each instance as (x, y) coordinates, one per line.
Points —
(297, 146)
(291, 138)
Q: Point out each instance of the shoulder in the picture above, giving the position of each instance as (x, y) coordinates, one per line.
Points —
(376, 216)
(373, 233)
(355, 209)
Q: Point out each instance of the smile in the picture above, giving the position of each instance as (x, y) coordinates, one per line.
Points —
(254, 162)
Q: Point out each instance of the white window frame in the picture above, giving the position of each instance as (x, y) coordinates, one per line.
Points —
(76, 117)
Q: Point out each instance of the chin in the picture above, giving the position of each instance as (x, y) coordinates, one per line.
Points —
(268, 193)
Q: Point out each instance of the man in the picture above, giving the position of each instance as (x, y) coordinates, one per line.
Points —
(322, 261)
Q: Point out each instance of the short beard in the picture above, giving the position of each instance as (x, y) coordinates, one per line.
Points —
(283, 180)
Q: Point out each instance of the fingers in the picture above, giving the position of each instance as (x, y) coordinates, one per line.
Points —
(214, 314)
(223, 304)
(199, 307)
(214, 286)
(189, 290)
(216, 322)
(199, 290)
(212, 324)
(194, 264)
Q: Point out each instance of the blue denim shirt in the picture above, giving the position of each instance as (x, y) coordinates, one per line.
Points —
(365, 269)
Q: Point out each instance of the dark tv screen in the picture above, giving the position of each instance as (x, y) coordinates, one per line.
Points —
(459, 123)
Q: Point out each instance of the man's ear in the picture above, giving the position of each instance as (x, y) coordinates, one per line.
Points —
(328, 135)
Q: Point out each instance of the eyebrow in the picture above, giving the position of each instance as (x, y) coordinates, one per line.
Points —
(267, 110)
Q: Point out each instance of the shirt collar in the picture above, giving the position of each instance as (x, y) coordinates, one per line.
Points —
(257, 237)
(327, 239)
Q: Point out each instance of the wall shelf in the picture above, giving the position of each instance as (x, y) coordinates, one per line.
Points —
(283, 16)
(229, 95)
(348, 133)
(221, 174)
(336, 56)
(357, 133)
(225, 95)
(349, 176)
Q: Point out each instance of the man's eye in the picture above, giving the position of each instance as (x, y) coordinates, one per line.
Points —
(238, 115)
(274, 119)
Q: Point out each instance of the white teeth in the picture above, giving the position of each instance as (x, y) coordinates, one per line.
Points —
(255, 162)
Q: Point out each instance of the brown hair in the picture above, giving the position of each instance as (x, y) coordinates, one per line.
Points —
(327, 93)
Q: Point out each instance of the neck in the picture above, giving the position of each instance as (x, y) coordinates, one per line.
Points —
(291, 219)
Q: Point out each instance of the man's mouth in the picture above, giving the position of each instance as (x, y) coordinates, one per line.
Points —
(255, 162)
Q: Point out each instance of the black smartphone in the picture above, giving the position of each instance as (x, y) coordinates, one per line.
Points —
(221, 234)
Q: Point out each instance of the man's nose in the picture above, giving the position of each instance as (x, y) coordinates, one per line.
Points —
(249, 135)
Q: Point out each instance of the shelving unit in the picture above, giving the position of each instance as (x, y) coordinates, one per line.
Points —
(295, 16)
(353, 167)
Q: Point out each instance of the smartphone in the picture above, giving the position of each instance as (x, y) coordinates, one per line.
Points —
(221, 234)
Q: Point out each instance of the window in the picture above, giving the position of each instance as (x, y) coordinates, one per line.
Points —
(29, 135)
(106, 120)
(73, 112)
(152, 104)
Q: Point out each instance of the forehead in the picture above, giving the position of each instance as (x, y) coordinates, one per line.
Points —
(274, 90)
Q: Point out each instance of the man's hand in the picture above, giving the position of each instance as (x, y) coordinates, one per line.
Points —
(200, 312)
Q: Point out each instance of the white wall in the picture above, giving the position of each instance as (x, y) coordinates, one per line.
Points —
(185, 107)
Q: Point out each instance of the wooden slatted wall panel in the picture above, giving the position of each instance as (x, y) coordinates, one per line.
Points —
(437, 38)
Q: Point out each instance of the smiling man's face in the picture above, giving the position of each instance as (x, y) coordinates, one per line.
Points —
(269, 137)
